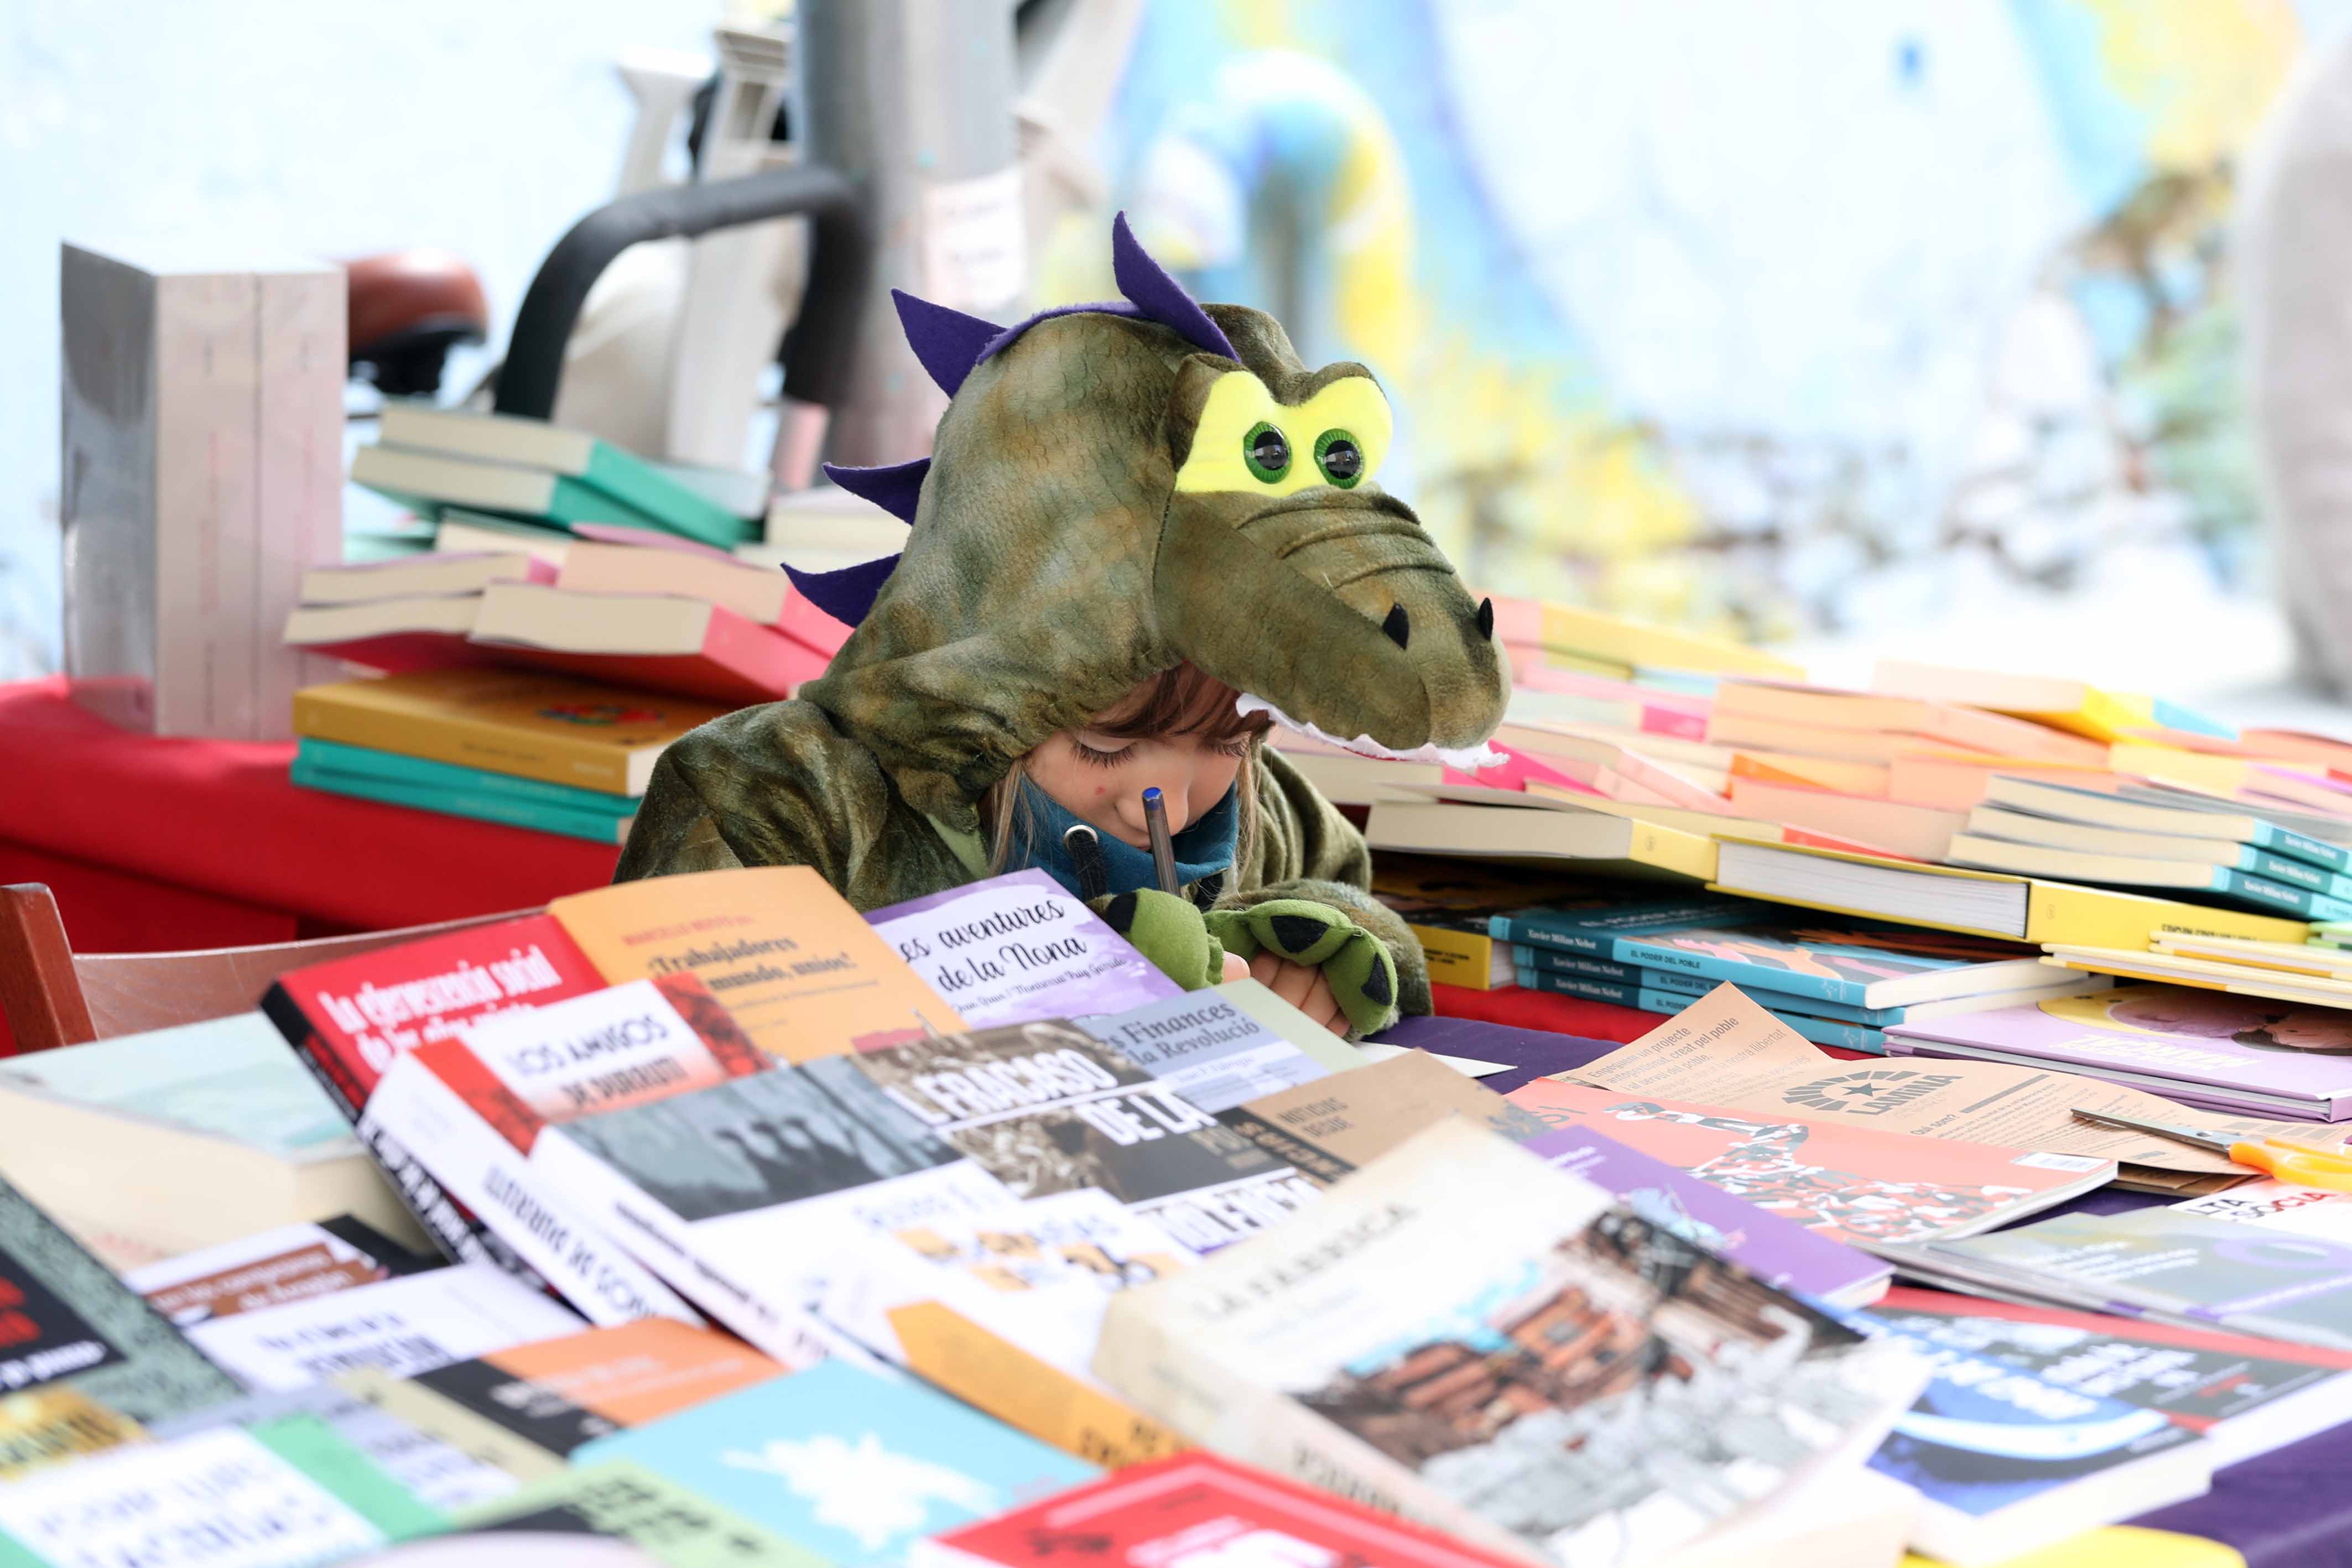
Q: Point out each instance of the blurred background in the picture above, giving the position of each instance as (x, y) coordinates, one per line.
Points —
(1851, 325)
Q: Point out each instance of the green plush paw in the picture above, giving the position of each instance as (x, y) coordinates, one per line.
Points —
(1358, 965)
(1168, 931)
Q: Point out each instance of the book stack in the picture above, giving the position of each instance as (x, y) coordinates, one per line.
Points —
(556, 550)
(544, 752)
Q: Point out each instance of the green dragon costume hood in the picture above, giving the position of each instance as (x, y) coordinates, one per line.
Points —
(1117, 488)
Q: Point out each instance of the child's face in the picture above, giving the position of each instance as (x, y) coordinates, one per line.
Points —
(1100, 780)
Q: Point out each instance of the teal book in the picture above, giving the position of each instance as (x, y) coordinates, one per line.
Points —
(1650, 999)
(1829, 958)
(855, 1466)
(599, 466)
(398, 768)
(1634, 979)
(482, 805)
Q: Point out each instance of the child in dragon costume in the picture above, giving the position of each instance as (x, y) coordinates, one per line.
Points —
(1146, 532)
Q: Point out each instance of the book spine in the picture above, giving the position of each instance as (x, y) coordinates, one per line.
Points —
(1763, 976)
(2267, 894)
(358, 761)
(1610, 991)
(1820, 1030)
(1524, 933)
(667, 1244)
(1465, 958)
(2295, 874)
(319, 714)
(476, 1167)
(481, 806)
(1578, 964)
(569, 502)
(2279, 841)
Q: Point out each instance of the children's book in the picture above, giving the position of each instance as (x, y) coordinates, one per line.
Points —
(852, 1466)
(1858, 1186)
(515, 723)
(2204, 1046)
(72, 1325)
(282, 1493)
(178, 1138)
(1857, 963)
(1781, 1251)
(1192, 1507)
(787, 955)
(1007, 950)
(1451, 1331)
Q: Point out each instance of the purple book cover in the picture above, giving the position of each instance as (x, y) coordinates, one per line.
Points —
(1779, 1251)
(1019, 948)
(2214, 1047)
(1532, 1053)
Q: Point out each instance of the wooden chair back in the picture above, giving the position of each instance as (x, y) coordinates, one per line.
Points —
(51, 996)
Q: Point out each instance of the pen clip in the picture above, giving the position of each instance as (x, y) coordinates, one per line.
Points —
(1086, 854)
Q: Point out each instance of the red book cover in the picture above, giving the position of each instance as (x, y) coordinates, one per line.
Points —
(353, 1015)
(1197, 1509)
(646, 1040)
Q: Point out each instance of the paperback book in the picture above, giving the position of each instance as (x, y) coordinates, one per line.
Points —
(1008, 949)
(1330, 1128)
(1821, 1030)
(1856, 1184)
(2205, 1047)
(852, 1466)
(1205, 1048)
(442, 1476)
(1450, 1334)
(1557, 968)
(647, 1519)
(458, 792)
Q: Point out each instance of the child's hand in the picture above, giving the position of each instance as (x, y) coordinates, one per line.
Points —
(1301, 985)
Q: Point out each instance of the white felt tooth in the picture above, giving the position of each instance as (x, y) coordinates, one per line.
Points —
(1467, 759)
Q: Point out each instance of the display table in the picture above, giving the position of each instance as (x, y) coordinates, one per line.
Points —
(153, 845)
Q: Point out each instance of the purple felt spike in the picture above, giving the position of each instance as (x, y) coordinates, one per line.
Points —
(847, 594)
(895, 488)
(948, 343)
(1160, 296)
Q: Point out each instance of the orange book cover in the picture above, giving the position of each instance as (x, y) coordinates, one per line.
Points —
(797, 967)
(635, 1373)
(1866, 778)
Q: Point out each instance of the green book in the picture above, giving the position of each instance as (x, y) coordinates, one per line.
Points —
(428, 481)
(70, 1323)
(397, 767)
(602, 467)
(482, 805)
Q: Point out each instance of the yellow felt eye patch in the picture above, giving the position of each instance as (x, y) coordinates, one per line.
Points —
(1238, 403)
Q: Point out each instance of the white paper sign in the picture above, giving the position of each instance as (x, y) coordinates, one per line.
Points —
(974, 253)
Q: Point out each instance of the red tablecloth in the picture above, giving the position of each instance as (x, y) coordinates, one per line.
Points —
(154, 844)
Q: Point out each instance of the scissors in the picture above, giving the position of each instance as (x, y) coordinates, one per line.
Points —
(2299, 1164)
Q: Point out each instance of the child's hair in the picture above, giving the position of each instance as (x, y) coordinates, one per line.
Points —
(1178, 701)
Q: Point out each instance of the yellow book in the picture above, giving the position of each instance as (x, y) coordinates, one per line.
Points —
(2197, 769)
(507, 721)
(2063, 703)
(990, 1373)
(1570, 630)
(1601, 843)
(1986, 903)
(799, 968)
(1471, 959)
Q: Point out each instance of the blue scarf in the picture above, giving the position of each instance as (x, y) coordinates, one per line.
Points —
(1204, 848)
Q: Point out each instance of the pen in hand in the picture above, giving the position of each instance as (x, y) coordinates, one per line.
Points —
(1163, 848)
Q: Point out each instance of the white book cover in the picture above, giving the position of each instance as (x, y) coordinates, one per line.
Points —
(1463, 1334)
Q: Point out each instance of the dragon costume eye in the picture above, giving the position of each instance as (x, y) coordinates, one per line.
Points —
(1268, 452)
(1339, 459)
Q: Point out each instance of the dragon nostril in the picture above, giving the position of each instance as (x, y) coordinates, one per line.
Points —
(1399, 625)
(1485, 618)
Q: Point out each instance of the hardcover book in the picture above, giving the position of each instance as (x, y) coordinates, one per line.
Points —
(1008, 949)
(70, 1324)
(1853, 1184)
(2206, 1048)
(844, 1464)
(1450, 1334)
(790, 958)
